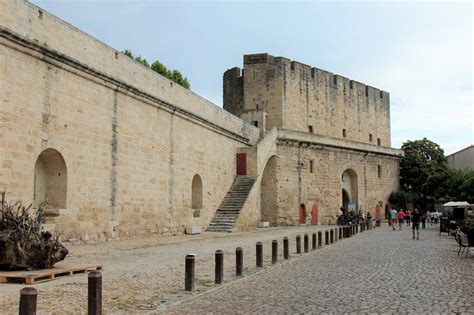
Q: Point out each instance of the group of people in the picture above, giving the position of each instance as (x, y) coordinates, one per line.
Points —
(433, 217)
(355, 217)
(406, 217)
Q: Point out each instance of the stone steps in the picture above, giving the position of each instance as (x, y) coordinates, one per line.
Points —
(229, 210)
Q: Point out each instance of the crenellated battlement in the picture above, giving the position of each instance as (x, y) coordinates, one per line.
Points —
(313, 72)
(297, 96)
(235, 72)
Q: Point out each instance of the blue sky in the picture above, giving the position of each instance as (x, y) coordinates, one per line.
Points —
(420, 52)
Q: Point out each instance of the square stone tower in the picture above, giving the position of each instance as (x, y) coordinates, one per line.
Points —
(277, 92)
(331, 134)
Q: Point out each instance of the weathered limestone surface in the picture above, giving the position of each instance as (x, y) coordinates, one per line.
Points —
(296, 96)
(326, 125)
(297, 185)
(114, 146)
(131, 140)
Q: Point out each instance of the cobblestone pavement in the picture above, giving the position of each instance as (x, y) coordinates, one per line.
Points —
(141, 275)
(380, 271)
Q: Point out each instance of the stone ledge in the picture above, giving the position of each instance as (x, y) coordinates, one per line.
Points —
(299, 136)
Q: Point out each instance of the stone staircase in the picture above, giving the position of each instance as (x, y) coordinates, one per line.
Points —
(229, 210)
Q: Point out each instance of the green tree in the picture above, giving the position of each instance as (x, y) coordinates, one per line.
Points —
(424, 173)
(401, 198)
(177, 77)
(139, 59)
(467, 188)
(423, 167)
(158, 67)
(460, 185)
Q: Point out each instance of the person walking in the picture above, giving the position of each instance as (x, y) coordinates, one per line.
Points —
(416, 218)
(408, 217)
(428, 218)
(369, 221)
(393, 218)
(401, 218)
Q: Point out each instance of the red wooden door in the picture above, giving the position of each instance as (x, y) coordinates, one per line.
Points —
(302, 214)
(241, 164)
(314, 214)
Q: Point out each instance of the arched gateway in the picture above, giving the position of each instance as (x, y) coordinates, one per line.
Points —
(349, 190)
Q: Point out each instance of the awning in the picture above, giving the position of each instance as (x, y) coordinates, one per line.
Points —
(456, 204)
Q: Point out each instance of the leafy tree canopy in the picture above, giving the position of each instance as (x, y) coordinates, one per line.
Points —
(424, 173)
(423, 167)
(157, 66)
(138, 58)
(459, 185)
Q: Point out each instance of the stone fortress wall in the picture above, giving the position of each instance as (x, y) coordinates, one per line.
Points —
(117, 149)
(334, 139)
(120, 151)
(298, 97)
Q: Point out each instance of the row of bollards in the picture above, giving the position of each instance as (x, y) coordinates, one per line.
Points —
(331, 236)
(29, 296)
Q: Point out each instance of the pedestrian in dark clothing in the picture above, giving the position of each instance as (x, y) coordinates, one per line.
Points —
(416, 224)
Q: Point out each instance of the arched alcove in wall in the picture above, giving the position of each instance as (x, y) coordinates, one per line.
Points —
(50, 180)
(196, 195)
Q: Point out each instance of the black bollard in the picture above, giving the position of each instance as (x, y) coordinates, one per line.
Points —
(94, 292)
(320, 238)
(326, 234)
(274, 251)
(189, 273)
(340, 232)
(28, 298)
(219, 269)
(357, 228)
(239, 261)
(298, 244)
(331, 232)
(306, 243)
(259, 250)
(286, 249)
(314, 241)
